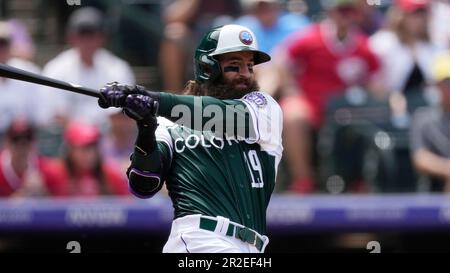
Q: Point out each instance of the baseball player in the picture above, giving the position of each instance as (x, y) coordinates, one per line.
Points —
(220, 181)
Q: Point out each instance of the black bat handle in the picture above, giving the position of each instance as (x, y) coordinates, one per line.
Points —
(22, 75)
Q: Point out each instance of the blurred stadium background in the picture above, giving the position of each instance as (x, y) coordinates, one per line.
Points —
(359, 180)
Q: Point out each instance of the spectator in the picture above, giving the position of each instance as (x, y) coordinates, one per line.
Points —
(22, 42)
(186, 21)
(267, 20)
(404, 48)
(86, 172)
(315, 66)
(271, 26)
(17, 98)
(87, 63)
(430, 133)
(22, 171)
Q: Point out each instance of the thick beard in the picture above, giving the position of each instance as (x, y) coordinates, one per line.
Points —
(224, 89)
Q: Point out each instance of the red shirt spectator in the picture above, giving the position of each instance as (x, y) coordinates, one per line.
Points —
(83, 184)
(22, 172)
(325, 67)
(83, 169)
(316, 65)
(39, 179)
(82, 173)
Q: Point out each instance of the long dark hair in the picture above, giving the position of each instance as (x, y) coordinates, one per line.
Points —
(98, 171)
(193, 88)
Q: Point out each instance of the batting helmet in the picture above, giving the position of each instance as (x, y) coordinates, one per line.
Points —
(221, 40)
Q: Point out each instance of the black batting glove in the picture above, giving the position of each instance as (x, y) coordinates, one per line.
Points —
(115, 94)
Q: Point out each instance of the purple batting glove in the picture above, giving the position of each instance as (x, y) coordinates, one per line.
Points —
(141, 108)
(114, 95)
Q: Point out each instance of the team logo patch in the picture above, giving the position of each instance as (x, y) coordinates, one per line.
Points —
(246, 38)
(257, 98)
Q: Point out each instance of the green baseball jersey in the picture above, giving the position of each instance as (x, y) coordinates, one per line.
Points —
(231, 177)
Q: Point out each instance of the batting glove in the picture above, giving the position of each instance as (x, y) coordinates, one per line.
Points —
(141, 108)
(115, 94)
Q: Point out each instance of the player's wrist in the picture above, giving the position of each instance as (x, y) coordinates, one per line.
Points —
(138, 89)
(146, 139)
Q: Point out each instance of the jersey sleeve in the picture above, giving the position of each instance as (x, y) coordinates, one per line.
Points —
(267, 122)
(223, 118)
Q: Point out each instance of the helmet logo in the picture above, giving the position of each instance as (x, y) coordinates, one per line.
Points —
(246, 38)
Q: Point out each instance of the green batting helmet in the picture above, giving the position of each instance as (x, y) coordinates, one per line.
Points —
(221, 40)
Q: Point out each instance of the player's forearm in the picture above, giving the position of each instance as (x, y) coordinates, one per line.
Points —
(147, 170)
(199, 113)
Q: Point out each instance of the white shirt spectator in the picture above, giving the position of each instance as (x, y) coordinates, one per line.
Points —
(67, 66)
(440, 22)
(18, 98)
(398, 60)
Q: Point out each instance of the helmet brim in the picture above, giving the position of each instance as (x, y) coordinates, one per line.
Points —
(259, 56)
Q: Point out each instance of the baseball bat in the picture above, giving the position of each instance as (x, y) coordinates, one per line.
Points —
(10, 72)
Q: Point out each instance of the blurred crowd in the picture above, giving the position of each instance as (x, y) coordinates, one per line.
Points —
(364, 88)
